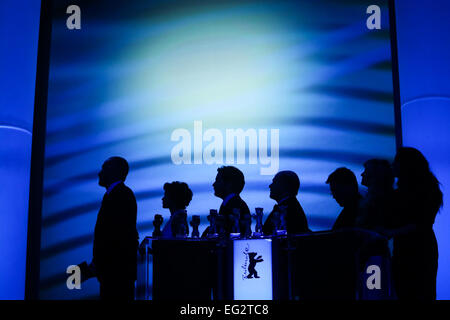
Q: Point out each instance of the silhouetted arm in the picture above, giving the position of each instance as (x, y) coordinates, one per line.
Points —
(389, 233)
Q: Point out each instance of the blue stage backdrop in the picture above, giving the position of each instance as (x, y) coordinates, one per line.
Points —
(180, 88)
(19, 26)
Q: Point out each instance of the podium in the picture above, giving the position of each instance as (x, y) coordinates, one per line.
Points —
(350, 264)
(176, 269)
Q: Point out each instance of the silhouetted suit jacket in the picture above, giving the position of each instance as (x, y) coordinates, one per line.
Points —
(347, 217)
(295, 217)
(227, 210)
(116, 237)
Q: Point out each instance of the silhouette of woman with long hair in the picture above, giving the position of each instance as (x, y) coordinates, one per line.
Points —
(417, 200)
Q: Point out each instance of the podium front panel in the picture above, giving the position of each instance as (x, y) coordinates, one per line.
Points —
(252, 269)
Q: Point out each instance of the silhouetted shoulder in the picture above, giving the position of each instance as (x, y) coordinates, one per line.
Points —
(237, 202)
(297, 222)
(293, 202)
(121, 190)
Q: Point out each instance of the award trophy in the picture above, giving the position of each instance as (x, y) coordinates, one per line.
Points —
(234, 233)
(212, 218)
(195, 222)
(220, 226)
(157, 222)
(258, 219)
(246, 226)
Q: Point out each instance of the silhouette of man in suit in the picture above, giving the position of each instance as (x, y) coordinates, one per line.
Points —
(284, 189)
(344, 188)
(115, 236)
(228, 185)
(177, 197)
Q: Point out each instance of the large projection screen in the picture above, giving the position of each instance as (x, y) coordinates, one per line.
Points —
(180, 88)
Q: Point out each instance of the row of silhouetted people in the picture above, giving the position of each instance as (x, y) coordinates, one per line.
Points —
(228, 185)
(405, 214)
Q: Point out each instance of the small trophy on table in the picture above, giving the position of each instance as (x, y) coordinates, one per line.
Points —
(157, 222)
(195, 222)
(220, 226)
(258, 219)
(212, 218)
(235, 233)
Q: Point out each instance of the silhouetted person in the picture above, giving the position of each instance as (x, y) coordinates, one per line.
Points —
(344, 188)
(376, 207)
(177, 197)
(417, 201)
(115, 236)
(228, 185)
(284, 189)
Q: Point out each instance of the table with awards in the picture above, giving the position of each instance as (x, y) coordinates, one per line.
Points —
(351, 264)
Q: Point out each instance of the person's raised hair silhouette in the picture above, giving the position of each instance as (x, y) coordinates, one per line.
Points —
(115, 235)
(284, 189)
(344, 188)
(177, 197)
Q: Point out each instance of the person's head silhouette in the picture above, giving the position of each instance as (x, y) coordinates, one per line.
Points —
(343, 186)
(177, 196)
(414, 175)
(228, 180)
(410, 166)
(284, 184)
(377, 174)
(114, 169)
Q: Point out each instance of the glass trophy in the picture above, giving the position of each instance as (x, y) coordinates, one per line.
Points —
(212, 218)
(258, 216)
(195, 222)
(157, 222)
(234, 223)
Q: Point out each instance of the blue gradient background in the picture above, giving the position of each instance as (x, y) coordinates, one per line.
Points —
(129, 77)
(424, 68)
(19, 26)
(424, 51)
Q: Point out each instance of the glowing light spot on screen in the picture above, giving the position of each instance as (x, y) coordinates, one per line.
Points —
(228, 67)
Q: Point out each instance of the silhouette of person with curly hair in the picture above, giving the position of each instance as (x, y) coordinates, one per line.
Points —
(177, 197)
